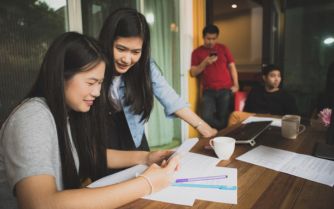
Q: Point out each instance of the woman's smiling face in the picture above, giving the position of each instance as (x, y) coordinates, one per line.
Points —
(127, 52)
(84, 87)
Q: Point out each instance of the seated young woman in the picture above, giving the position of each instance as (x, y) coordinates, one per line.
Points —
(54, 140)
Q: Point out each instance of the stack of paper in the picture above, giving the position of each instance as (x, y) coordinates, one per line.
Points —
(138, 169)
(192, 167)
(304, 166)
(119, 177)
(196, 165)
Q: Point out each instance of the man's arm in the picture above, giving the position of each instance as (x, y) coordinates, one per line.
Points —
(196, 70)
(234, 74)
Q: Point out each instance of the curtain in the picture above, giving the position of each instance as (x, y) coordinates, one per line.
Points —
(163, 18)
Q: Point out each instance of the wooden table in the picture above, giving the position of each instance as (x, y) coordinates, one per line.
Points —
(262, 188)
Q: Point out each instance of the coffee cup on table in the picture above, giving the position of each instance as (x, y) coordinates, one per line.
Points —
(223, 146)
(291, 126)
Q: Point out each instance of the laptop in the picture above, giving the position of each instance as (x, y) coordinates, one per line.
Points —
(247, 133)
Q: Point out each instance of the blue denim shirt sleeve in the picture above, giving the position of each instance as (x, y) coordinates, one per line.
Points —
(165, 94)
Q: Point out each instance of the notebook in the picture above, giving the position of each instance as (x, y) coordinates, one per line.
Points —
(247, 133)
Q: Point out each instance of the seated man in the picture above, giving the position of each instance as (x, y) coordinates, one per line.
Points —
(267, 99)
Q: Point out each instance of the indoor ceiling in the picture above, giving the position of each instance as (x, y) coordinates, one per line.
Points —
(223, 7)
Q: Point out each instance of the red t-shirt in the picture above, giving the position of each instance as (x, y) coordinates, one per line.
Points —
(217, 75)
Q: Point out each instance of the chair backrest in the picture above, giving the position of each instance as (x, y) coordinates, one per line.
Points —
(240, 100)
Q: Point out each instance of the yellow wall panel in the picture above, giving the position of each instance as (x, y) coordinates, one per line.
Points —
(193, 83)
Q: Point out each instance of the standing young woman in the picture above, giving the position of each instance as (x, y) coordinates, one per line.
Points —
(54, 140)
(125, 37)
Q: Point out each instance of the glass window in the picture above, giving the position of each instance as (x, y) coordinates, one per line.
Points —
(94, 12)
(308, 50)
(27, 28)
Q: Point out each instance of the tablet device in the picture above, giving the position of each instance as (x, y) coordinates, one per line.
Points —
(247, 133)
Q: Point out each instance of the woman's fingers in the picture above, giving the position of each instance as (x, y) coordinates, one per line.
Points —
(173, 163)
(164, 163)
(168, 153)
(158, 156)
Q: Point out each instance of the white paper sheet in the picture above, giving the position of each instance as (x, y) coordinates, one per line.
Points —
(267, 157)
(185, 147)
(191, 165)
(175, 195)
(304, 166)
(138, 169)
(216, 195)
(119, 176)
(311, 168)
(276, 122)
(196, 165)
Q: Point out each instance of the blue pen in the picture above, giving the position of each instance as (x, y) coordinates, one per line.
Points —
(201, 178)
(221, 187)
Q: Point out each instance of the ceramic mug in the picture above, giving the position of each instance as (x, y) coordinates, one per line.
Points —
(291, 126)
(223, 147)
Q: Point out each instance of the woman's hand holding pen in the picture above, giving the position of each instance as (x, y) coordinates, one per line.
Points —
(160, 177)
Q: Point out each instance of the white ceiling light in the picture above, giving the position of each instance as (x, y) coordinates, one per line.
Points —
(329, 40)
(234, 6)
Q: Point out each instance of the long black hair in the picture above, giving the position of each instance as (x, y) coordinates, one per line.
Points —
(126, 22)
(68, 55)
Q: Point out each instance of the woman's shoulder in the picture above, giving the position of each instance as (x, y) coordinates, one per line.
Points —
(155, 70)
(31, 110)
(32, 105)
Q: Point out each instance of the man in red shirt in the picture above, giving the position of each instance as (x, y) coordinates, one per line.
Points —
(219, 76)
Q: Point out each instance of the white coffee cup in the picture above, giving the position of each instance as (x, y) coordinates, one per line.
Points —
(223, 146)
(291, 126)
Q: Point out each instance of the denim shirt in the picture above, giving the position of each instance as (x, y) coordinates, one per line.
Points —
(166, 96)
